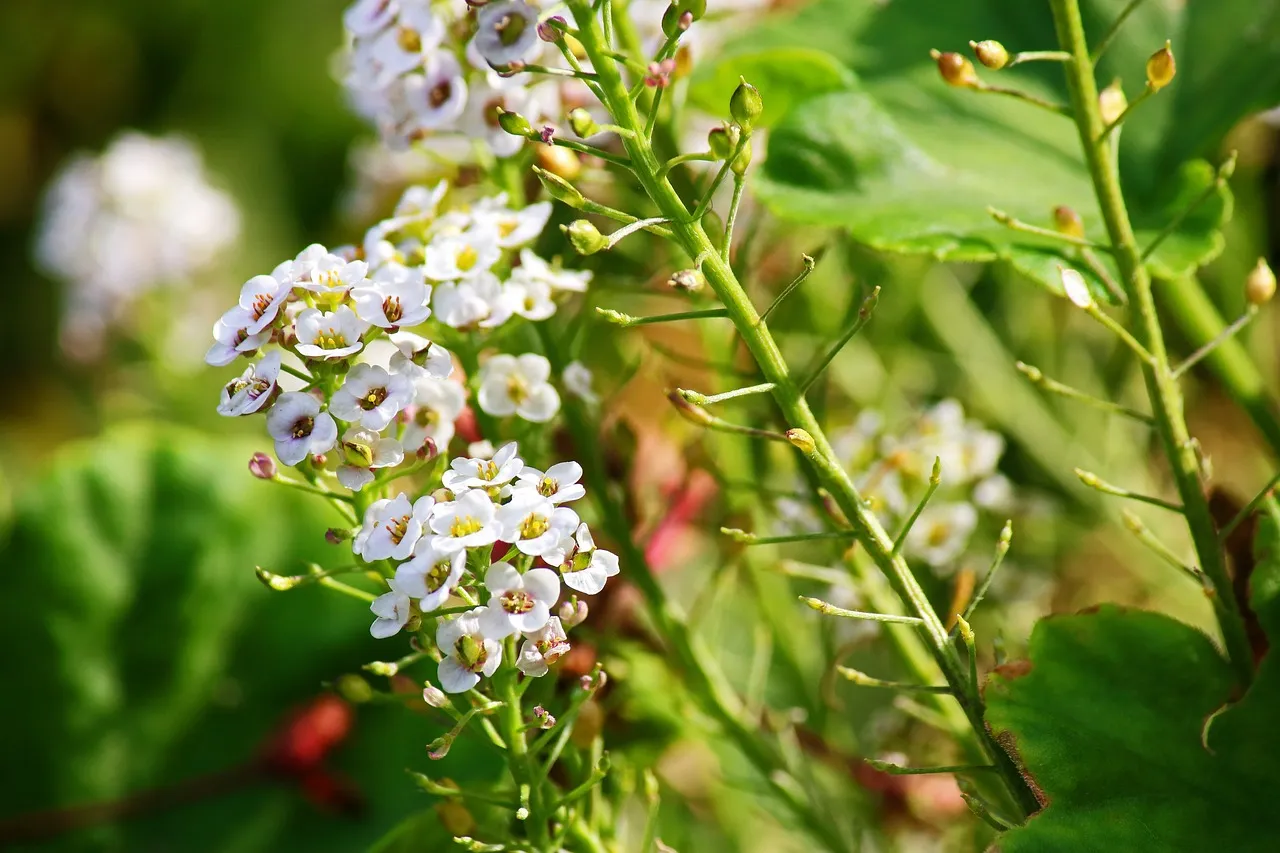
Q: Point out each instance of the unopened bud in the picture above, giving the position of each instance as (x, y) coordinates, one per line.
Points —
(439, 747)
(687, 281)
(742, 161)
(1068, 222)
(515, 124)
(434, 696)
(552, 29)
(955, 69)
(319, 459)
(691, 413)
(544, 718)
(338, 535)
(582, 123)
(1075, 288)
(1260, 286)
(1161, 67)
(262, 466)
(558, 188)
(723, 141)
(990, 53)
(802, 440)
(428, 450)
(745, 105)
(573, 612)
(354, 689)
(280, 583)
(1112, 103)
(684, 21)
(585, 238)
(382, 667)
(559, 161)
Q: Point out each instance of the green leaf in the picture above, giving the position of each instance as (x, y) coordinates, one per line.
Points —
(1118, 720)
(784, 76)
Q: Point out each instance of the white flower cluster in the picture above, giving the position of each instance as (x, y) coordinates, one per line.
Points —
(139, 216)
(897, 467)
(374, 390)
(446, 549)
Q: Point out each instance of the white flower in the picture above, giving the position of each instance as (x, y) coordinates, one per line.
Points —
(527, 522)
(534, 268)
(329, 276)
(517, 602)
(392, 609)
(436, 98)
(403, 47)
(559, 484)
(396, 296)
(488, 474)
(392, 527)
(371, 397)
(512, 227)
(432, 574)
(941, 533)
(419, 358)
(467, 522)
(494, 95)
(506, 32)
(251, 390)
(468, 653)
(511, 385)
(437, 405)
(232, 338)
(329, 335)
(454, 256)
(1075, 288)
(530, 299)
(543, 647)
(363, 450)
(368, 17)
(263, 296)
(994, 493)
(583, 566)
(299, 428)
(577, 381)
(477, 301)
(482, 449)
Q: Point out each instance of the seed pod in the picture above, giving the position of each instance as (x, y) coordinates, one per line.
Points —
(955, 69)
(559, 189)
(1161, 67)
(723, 140)
(514, 124)
(582, 123)
(742, 161)
(1260, 286)
(802, 440)
(1068, 222)
(585, 238)
(746, 105)
(558, 161)
(990, 53)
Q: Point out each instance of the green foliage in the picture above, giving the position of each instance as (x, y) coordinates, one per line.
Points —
(139, 643)
(1121, 723)
(784, 76)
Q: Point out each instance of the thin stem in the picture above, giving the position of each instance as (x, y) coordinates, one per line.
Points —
(1039, 56)
(1126, 338)
(520, 763)
(590, 150)
(744, 538)
(1161, 550)
(863, 680)
(1018, 225)
(1105, 41)
(1037, 377)
(1162, 386)
(704, 400)
(343, 588)
(739, 184)
(617, 318)
(830, 475)
(311, 490)
(1024, 97)
(1129, 108)
(293, 371)
(898, 770)
(1002, 548)
(864, 315)
(692, 156)
(831, 610)
(809, 264)
(935, 480)
(1095, 482)
(1223, 336)
(1249, 508)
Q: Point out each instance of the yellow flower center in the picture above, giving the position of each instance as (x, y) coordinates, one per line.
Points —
(373, 399)
(302, 427)
(467, 258)
(438, 574)
(397, 527)
(548, 487)
(516, 601)
(533, 526)
(392, 309)
(409, 40)
(465, 525)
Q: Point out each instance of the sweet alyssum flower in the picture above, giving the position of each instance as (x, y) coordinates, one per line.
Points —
(419, 358)
(517, 603)
(584, 567)
(392, 610)
(396, 296)
(480, 301)
(534, 268)
(455, 256)
(941, 533)
(363, 451)
(371, 397)
(299, 428)
(468, 653)
(506, 32)
(437, 405)
(467, 522)
(432, 574)
(531, 522)
(263, 296)
(392, 528)
(489, 475)
(577, 381)
(251, 390)
(517, 385)
(233, 339)
(329, 335)
(542, 648)
(558, 484)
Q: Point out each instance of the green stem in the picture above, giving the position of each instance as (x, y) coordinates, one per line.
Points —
(1162, 385)
(696, 244)
(521, 760)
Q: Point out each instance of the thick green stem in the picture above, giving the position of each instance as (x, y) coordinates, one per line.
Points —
(523, 772)
(695, 242)
(1162, 385)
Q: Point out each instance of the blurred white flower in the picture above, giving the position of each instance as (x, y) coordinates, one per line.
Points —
(419, 358)
(437, 404)
(139, 216)
(577, 381)
(517, 385)
(251, 390)
(941, 532)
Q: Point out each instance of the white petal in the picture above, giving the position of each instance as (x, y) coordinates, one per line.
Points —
(454, 678)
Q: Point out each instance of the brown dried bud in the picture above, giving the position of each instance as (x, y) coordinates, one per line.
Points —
(1068, 222)
(955, 69)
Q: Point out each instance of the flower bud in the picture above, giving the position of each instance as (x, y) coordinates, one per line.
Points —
(439, 747)
(262, 466)
(280, 583)
(687, 281)
(1075, 288)
(1161, 67)
(573, 612)
(1260, 286)
(745, 105)
(955, 69)
(723, 140)
(552, 29)
(742, 161)
(354, 689)
(802, 440)
(382, 667)
(1068, 222)
(434, 696)
(990, 53)
(559, 161)
(582, 123)
(515, 124)
(585, 238)
(691, 413)
(1112, 103)
(338, 535)
(559, 188)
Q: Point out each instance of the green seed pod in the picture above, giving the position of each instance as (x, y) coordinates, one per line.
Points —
(746, 105)
(514, 124)
(990, 53)
(742, 161)
(582, 123)
(560, 189)
(1161, 67)
(723, 140)
(585, 238)
(696, 8)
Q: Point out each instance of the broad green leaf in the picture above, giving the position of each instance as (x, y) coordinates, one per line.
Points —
(784, 76)
(1118, 718)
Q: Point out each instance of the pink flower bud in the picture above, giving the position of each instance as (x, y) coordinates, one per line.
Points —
(434, 696)
(573, 612)
(548, 30)
(262, 466)
(428, 450)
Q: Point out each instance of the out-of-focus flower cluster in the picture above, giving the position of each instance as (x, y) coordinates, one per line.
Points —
(498, 545)
(139, 216)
